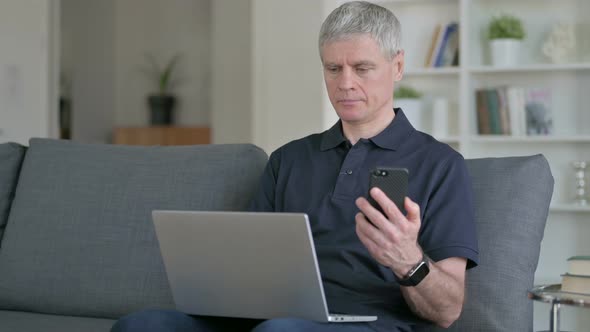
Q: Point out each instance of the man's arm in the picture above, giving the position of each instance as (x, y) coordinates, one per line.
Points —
(391, 238)
(439, 297)
(264, 198)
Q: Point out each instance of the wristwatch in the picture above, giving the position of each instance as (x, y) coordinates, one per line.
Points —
(417, 273)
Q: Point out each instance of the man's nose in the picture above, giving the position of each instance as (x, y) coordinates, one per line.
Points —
(346, 81)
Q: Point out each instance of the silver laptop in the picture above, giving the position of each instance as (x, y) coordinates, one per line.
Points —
(243, 264)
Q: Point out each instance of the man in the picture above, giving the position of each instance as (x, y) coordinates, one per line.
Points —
(409, 270)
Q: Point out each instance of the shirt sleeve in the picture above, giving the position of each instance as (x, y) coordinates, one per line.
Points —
(264, 199)
(448, 226)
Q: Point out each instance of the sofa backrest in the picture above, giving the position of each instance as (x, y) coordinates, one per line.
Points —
(80, 240)
(512, 197)
(11, 156)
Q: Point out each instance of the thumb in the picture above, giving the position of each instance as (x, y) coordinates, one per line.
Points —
(413, 210)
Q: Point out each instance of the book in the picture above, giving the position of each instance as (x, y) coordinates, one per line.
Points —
(433, 44)
(483, 119)
(493, 105)
(577, 278)
(450, 34)
(456, 57)
(516, 108)
(503, 111)
(437, 45)
(450, 46)
(579, 265)
(539, 120)
(572, 283)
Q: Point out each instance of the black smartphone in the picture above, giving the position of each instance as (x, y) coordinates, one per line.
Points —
(393, 182)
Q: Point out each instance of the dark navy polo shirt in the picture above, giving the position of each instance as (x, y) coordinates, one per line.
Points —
(322, 175)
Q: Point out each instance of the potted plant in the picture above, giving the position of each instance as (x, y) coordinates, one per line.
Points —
(162, 102)
(410, 101)
(505, 33)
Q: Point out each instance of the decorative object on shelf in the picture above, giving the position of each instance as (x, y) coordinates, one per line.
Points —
(440, 117)
(410, 101)
(560, 45)
(539, 118)
(162, 102)
(580, 172)
(506, 34)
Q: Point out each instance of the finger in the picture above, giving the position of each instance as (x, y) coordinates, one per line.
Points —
(366, 240)
(365, 227)
(413, 210)
(373, 215)
(389, 208)
(375, 249)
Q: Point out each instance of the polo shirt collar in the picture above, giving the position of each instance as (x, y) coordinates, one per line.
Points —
(390, 138)
(332, 137)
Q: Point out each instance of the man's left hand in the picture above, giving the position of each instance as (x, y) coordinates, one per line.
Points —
(390, 237)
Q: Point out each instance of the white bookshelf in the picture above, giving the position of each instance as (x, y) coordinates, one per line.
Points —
(431, 71)
(568, 225)
(530, 68)
(569, 208)
(530, 139)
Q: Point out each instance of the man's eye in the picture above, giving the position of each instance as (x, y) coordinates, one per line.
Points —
(362, 70)
(333, 69)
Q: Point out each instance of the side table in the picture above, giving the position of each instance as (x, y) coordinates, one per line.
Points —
(162, 135)
(553, 294)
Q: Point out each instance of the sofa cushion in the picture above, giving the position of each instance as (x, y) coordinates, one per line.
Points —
(13, 321)
(512, 197)
(80, 240)
(11, 156)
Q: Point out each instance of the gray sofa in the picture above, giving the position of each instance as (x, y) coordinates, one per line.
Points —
(78, 249)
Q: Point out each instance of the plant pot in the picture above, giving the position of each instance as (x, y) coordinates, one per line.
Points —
(161, 109)
(505, 52)
(413, 110)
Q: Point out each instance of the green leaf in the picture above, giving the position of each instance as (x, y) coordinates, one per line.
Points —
(506, 26)
(406, 92)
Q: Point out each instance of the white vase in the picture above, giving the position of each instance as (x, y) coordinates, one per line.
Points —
(505, 52)
(413, 110)
(440, 117)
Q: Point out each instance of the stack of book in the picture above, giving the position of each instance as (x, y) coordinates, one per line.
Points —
(444, 46)
(577, 279)
(517, 111)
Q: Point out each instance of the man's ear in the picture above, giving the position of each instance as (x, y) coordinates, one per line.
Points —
(398, 66)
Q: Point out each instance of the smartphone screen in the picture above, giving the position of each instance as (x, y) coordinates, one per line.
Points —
(393, 182)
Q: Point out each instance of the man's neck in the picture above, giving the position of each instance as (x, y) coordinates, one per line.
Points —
(355, 131)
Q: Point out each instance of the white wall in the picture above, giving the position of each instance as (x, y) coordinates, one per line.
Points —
(163, 28)
(88, 62)
(231, 81)
(288, 83)
(28, 98)
(252, 68)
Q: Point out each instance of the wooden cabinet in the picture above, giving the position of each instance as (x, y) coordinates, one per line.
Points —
(162, 135)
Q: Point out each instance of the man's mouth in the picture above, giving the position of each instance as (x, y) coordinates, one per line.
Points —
(348, 101)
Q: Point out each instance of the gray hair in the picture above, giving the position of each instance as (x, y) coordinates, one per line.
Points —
(361, 17)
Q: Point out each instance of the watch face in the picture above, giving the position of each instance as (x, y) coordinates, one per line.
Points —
(421, 272)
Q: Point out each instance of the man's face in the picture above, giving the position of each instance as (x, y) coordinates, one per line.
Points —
(359, 78)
